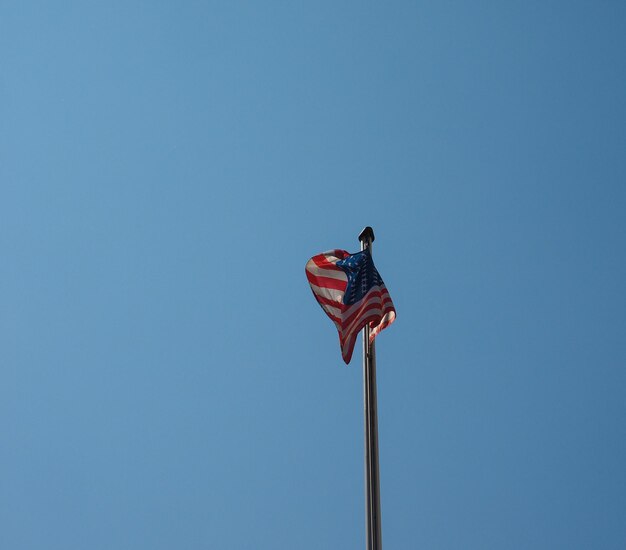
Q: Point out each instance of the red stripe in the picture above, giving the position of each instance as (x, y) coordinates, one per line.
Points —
(378, 299)
(388, 317)
(347, 345)
(385, 320)
(329, 302)
(365, 299)
(326, 282)
(371, 312)
(347, 329)
(348, 325)
(359, 326)
(322, 261)
(379, 329)
(347, 349)
(334, 319)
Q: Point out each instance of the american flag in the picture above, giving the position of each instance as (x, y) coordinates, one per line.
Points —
(352, 293)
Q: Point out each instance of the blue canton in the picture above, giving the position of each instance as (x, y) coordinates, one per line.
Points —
(362, 276)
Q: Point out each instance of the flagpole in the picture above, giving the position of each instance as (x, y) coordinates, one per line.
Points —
(372, 482)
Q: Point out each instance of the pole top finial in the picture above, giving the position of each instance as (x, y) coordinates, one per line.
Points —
(367, 235)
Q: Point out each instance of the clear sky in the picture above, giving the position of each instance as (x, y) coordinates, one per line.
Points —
(167, 380)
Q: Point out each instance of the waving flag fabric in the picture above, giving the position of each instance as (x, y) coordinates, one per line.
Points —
(352, 294)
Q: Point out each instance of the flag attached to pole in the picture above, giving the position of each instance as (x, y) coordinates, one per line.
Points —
(352, 293)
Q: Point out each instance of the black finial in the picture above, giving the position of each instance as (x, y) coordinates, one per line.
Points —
(367, 235)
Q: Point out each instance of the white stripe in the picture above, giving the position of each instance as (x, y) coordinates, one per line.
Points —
(374, 311)
(332, 310)
(330, 256)
(381, 310)
(387, 318)
(346, 346)
(329, 293)
(358, 304)
(322, 272)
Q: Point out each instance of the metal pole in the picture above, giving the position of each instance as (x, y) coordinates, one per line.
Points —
(372, 483)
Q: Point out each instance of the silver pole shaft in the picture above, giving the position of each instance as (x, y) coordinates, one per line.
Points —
(372, 481)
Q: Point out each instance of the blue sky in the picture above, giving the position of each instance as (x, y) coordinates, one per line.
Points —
(166, 169)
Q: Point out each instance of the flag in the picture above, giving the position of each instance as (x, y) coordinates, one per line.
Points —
(352, 293)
